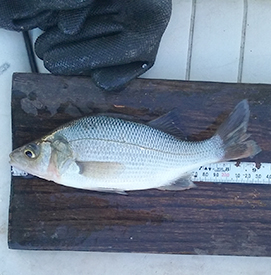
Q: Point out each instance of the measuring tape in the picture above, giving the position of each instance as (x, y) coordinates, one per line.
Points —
(234, 172)
(228, 172)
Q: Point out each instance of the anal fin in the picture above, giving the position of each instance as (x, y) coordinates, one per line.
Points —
(179, 185)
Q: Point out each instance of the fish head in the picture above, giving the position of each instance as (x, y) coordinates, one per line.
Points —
(33, 158)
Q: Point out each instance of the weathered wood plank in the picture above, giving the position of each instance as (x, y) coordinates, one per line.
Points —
(214, 219)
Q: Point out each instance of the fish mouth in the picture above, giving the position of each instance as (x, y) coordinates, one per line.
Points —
(11, 159)
(15, 168)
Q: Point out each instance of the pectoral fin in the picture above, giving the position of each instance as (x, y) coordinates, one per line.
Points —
(100, 170)
(179, 185)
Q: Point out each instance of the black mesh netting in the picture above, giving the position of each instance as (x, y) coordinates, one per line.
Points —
(114, 41)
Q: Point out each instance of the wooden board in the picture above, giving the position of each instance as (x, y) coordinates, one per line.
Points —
(217, 219)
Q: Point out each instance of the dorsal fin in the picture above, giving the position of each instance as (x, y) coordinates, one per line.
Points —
(168, 123)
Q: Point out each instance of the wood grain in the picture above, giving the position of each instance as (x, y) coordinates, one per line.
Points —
(216, 219)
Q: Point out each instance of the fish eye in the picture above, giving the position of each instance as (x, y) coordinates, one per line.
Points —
(31, 151)
(29, 154)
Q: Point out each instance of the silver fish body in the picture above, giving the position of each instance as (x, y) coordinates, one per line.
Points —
(110, 154)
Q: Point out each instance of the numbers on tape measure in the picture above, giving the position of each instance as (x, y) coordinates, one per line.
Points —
(234, 172)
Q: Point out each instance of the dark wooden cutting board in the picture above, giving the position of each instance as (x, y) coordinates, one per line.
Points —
(217, 219)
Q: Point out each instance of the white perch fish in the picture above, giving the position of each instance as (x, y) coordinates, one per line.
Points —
(109, 154)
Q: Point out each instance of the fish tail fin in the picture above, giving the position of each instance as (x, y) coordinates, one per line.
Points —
(233, 133)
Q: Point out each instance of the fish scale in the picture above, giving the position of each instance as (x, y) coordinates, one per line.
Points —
(104, 153)
(120, 131)
(149, 155)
